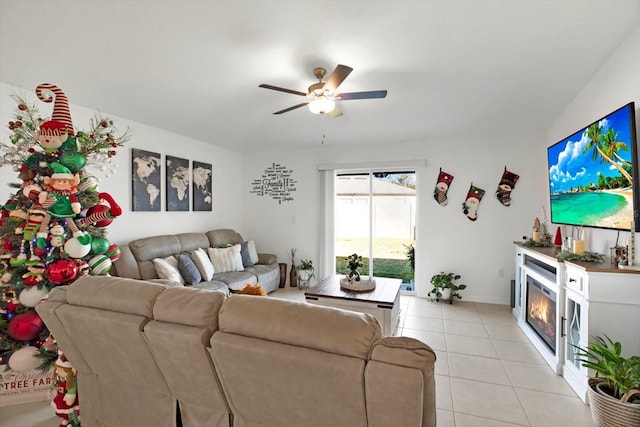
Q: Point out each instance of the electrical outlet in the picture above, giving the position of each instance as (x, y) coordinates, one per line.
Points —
(501, 273)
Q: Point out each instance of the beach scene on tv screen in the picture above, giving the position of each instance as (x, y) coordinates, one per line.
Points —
(591, 174)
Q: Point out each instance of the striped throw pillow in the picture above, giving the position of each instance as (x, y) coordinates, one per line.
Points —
(226, 259)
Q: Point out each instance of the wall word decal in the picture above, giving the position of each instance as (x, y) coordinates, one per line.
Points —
(275, 182)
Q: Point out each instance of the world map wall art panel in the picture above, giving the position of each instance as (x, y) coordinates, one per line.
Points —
(177, 184)
(145, 180)
(202, 189)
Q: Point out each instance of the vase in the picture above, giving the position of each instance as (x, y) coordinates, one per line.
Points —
(354, 276)
(293, 277)
(304, 276)
(283, 274)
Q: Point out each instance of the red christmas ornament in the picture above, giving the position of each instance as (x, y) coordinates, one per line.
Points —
(25, 326)
(12, 305)
(113, 252)
(62, 271)
(557, 240)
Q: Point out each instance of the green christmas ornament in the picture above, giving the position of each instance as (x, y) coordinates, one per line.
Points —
(99, 245)
(73, 160)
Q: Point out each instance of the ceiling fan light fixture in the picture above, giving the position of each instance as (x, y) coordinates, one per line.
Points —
(322, 105)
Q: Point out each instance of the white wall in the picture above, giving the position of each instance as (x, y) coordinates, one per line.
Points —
(481, 251)
(227, 166)
(614, 85)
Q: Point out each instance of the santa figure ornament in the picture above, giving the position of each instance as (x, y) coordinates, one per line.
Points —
(506, 185)
(470, 206)
(442, 186)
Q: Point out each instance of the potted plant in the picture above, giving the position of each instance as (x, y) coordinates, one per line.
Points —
(411, 256)
(354, 262)
(614, 391)
(445, 287)
(411, 259)
(305, 273)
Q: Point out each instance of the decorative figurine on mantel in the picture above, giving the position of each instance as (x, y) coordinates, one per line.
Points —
(536, 230)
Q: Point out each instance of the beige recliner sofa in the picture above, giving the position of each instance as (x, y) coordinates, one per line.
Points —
(136, 260)
(143, 349)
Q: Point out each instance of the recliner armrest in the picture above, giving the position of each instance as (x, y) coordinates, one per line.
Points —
(267, 258)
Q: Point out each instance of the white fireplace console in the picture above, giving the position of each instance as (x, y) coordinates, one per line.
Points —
(593, 299)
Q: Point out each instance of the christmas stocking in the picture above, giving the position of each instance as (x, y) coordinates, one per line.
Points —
(470, 206)
(507, 183)
(440, 192)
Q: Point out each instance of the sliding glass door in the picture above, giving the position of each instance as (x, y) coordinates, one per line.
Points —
(375, 218)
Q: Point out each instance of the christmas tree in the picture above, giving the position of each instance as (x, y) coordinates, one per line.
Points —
(53, 226)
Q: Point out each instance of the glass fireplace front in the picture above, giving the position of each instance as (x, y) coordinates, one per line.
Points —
(541, 311)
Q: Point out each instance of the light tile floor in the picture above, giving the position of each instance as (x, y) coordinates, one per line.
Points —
(487, 373)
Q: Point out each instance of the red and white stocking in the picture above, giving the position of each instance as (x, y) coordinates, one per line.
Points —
(507, 184)
(470, 205)
(442, 186)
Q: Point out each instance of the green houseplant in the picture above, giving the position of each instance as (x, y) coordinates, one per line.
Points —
(445, 287)
(306, 272)
(614, 391)
(410, 252)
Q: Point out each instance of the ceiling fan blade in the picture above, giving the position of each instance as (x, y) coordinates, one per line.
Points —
(291, 108)
(337, 77)
(361, 95)
(281, 89)
(335, 112)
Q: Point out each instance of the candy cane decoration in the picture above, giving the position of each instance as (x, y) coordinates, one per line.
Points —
(47, 92)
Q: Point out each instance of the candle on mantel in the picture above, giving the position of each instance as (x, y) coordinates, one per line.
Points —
(536, 236)
(578, 247)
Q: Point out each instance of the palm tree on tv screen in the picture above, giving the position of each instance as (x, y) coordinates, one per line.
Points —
(604, 150)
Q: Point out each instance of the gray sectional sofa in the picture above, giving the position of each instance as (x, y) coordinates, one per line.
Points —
(136, 260)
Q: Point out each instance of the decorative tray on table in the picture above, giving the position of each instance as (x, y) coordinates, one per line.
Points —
(363, 285)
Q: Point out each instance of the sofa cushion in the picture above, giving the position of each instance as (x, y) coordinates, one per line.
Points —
(226, 259)
(203, 262)
(188, 270)
(236, 280)
(246, 256)
(251, 246)
(223, 237)
(167, 268)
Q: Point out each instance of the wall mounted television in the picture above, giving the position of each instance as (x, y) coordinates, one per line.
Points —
(593, 174)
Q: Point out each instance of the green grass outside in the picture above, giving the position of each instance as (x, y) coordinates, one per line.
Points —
(382, 267)
(394, 264)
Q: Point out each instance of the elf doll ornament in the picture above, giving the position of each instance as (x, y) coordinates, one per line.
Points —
(470, 206)
(442, 186)
(60, 201)
(65, 399)
(506, 185)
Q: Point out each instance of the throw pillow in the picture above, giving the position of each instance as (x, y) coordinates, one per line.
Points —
(167, 268)
(202, 261)
(189, 270)
(246, 256)
(226, 259)
(253, 290)
(251, 246)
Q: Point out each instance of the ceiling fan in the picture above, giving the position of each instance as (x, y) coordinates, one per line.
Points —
(322, 95)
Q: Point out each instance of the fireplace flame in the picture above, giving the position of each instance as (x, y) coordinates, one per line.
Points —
(540, 310)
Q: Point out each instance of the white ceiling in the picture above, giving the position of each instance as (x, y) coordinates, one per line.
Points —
(452, 68)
